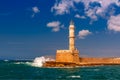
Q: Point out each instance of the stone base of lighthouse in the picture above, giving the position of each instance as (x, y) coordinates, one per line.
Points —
(70, 56)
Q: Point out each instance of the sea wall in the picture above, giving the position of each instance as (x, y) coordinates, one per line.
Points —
(58, 64)
(83, 62)
(100, 60)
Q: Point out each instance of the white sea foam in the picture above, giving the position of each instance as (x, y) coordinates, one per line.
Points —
(6, 60)
(17, 63)
(28, 63)
(38, 61)
(74, 76)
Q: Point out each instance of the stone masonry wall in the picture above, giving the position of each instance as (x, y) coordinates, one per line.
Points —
(100, 60)
(67, 56)
(64, 57)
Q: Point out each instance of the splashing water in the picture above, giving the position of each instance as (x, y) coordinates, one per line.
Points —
(6, 60)
(38, 61)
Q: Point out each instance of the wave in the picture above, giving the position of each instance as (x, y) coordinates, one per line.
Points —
(6, 60)
(74, 76)
(39, 61)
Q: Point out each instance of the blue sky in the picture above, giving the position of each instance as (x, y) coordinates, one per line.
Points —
(32, 28)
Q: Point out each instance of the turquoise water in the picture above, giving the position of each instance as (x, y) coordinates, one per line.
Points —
(22, 70)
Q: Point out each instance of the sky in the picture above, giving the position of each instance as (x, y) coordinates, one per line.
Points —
(33, 28)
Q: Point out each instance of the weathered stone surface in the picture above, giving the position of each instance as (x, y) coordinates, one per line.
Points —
(67, 56)
(58, 64)
(84, 62)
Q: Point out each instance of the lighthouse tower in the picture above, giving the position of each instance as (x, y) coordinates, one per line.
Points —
(72, 54)
(71, 36)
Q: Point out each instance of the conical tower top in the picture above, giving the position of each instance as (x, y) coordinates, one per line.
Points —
(71, 22)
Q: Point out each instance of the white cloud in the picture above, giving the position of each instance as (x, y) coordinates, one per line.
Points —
(77, 1)
(91, 13)
(83, 33)
(63, 6)
(55, 25)
(35, 10)
(98, 10)
(80, 17)
(114, 23)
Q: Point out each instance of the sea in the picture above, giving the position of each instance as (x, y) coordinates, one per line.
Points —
(32, 70)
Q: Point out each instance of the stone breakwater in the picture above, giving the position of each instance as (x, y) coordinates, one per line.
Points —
(84, 62)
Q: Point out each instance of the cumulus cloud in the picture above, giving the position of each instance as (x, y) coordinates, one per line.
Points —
(83, 33)
(80, 17)
(55, 25)
(91, 13)
(63, 6)
(77, 1)
(93, 8)
(114, 23)
(35, 10)
(99, 9)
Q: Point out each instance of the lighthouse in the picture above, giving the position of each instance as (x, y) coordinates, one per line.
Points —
(71, 36)
(72, 54)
